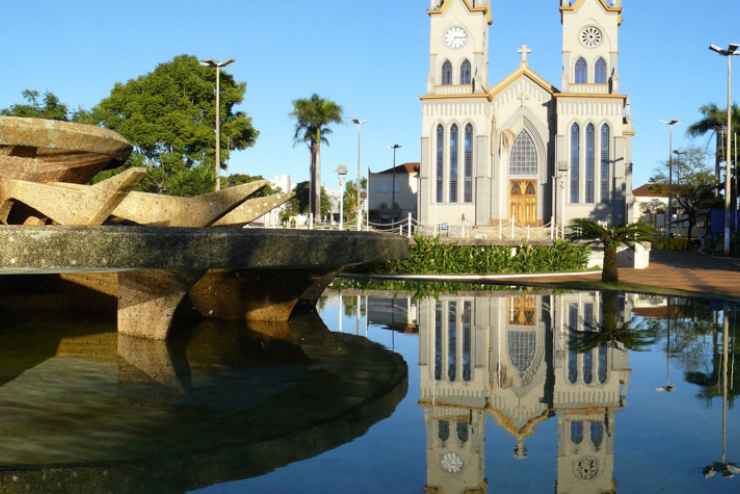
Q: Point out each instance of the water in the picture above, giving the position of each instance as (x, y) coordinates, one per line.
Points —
(496, 391)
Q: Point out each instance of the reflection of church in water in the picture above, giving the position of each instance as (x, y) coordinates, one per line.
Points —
(509, 357)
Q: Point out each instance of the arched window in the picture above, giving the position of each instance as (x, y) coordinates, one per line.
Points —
(590, 162)
(454, 153)
(572, 354)
(581, 71)
(600, 76)
(439, 314)
(467, 319)
(523, 156)
(466, 75)
(605, 144)
(588, 367)
(576, 432)
(468, 192)
(522, 349)
(575, 163)
(603, 355)
(462, 431)
(452, 341)
(440, 163)
(447, 73)
(443, 430)
(597, 434)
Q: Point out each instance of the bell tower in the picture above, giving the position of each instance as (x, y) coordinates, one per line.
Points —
(458, 49)
(591, 45)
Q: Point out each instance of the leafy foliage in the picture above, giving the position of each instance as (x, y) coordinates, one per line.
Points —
(313, 119)
(713, 120)
(48, 106)
(299, 204)
(610, 237)
(431, 256)
(168, 116)
(613, 331)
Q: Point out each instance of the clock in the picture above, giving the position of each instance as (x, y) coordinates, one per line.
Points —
(456, 37)
(591, 37)
(452, 463)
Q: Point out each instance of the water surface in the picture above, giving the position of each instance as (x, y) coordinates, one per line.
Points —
(461, 392)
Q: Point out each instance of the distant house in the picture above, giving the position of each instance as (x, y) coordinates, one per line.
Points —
(381, 197)
(651, 204)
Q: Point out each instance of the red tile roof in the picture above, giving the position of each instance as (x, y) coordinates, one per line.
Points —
(407, 168)
(655, 190)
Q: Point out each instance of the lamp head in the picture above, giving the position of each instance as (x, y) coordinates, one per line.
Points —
(342, 170)
(717, 49)
(209, 62)
(733, 48)
(227, 62)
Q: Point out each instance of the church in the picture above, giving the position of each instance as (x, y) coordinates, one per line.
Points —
(523, 150)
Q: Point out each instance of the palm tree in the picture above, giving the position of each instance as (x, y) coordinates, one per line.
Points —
(613, 331)
(715, 120)
(313, 117)
(610, 238)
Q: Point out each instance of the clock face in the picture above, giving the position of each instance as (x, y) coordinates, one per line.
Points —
(591, 37)
(452, 463)
(456, 37)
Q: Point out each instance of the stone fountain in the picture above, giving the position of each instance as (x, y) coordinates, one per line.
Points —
(150, 251)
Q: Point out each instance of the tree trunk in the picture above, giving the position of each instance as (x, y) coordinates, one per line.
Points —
(692, 222)
(315, 192)
(610, 274)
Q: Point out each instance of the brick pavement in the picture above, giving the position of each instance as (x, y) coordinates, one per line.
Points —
(679, 271)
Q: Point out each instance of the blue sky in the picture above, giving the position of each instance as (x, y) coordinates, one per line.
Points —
(369, 56)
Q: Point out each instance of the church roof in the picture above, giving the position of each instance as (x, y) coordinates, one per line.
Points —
(605, 4)
(470, 4)
(523, 71)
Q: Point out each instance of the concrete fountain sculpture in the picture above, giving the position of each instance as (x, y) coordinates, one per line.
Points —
(166, 245)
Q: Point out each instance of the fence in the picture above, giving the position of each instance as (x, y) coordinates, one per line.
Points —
(409, 227)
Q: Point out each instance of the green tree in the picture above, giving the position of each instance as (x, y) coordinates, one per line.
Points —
(610, 238)
(48, 106)
(168, 116)
(240, 178)
(300, 202)
(713, 120)
(695, 187)
(613, 331)
(313, 118)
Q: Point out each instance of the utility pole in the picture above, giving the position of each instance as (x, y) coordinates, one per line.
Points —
(359, 123)
(732, 50)
(218, 66)
(670, 123)
(394, 147)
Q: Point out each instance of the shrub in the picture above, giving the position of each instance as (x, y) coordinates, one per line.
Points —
(430, 256)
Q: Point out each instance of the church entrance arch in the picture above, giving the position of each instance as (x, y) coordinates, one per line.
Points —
(524, 202)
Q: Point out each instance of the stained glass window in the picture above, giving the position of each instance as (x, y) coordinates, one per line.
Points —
(523, 156)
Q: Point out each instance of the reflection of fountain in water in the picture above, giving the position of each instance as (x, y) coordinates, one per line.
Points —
(95, 412)
(510, 356)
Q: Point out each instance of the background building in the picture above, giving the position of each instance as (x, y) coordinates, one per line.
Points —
(381, 194)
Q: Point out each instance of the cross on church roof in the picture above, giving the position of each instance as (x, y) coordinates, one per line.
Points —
(524, 51)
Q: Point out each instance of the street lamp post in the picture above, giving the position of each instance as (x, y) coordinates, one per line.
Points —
(359, 123)
(342, 172)
(218, 66)
(394, 147)
(732, 50)
(670, 123)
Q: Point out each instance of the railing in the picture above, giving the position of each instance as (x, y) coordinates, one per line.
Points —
(505, 230)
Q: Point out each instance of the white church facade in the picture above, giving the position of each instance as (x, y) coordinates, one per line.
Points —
(523, 150)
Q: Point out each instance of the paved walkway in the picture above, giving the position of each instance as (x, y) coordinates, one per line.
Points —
(679, 271)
